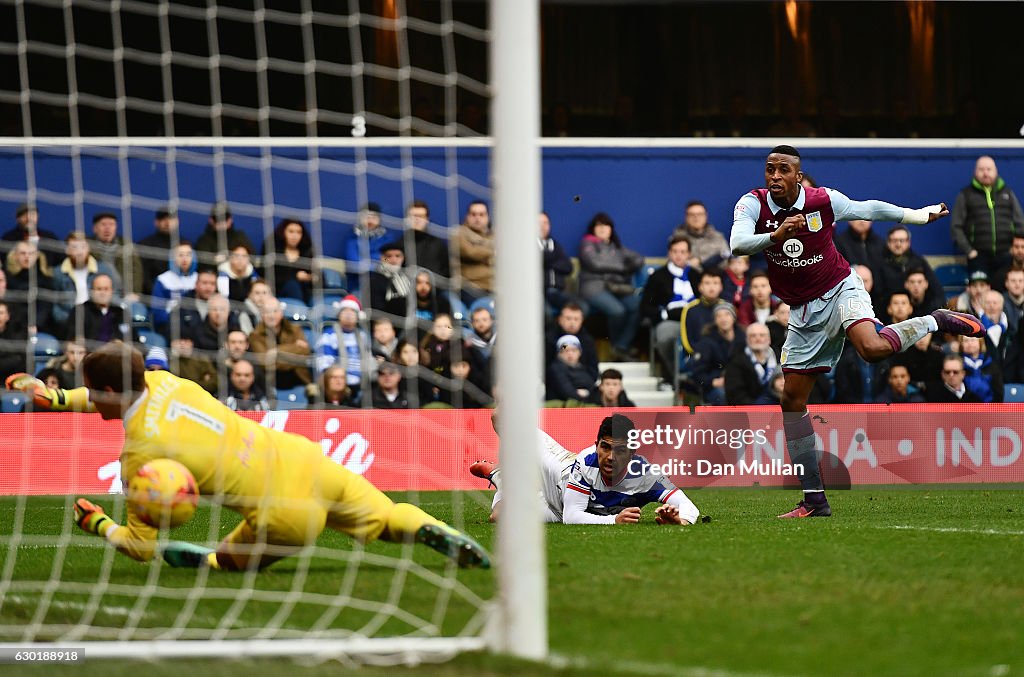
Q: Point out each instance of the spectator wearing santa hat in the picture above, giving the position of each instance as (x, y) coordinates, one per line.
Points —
(347, 345)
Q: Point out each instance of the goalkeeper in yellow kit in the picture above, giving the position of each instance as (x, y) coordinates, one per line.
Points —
(284, 487)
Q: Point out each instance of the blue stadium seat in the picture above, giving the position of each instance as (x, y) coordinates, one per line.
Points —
(333, 281)
(323, 312)
(953, 276)
(292, 398)
(151, 339)
(295, 310)
(1013, 392)
(46, 345)
(12, 402)
(140, 314)
(640, 278)
(310, 331)
(332, 299)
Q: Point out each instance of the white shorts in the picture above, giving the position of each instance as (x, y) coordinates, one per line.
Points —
(817, 329)
(555, 464)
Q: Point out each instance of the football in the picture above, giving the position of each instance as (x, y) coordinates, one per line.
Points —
(163, 493)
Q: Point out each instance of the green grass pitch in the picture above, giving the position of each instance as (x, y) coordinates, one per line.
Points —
(913, 581)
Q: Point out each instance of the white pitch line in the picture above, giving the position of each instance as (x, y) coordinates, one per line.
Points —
(953, 530)
(77, 606)
(644, 668)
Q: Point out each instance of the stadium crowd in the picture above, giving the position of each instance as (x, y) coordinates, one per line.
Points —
(407, 318)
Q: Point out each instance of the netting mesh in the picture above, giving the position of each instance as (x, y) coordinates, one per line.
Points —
(243, 68)
(164, 70)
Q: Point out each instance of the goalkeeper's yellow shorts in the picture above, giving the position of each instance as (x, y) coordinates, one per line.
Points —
(306, 499)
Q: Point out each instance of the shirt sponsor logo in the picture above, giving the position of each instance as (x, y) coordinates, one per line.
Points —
(814, 222)
(793, 248)
(797, 263)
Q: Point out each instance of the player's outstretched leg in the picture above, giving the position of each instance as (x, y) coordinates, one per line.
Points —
(452, 543)
(405, 521)
(486, 470)
(180, 554)
(952, 322)
(876, 344)
(365, 513)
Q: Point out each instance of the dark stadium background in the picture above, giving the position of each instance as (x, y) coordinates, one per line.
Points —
(942, 69)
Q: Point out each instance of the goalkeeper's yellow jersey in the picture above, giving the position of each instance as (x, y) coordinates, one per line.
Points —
(231, 457)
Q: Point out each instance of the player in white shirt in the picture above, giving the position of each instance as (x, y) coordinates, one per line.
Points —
(607, 483)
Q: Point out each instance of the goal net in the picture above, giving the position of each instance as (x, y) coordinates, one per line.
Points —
(198, 122)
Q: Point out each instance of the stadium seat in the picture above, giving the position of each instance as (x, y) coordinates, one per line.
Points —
(310, 331)
(295, 310)
(1013, 392)
(12, 402)
(332, 299)
(953, 276)
(333, 281)
(323, 312)
(640, 278)
(292, 398)
(139, 314)
(45, 347)
(151, 339)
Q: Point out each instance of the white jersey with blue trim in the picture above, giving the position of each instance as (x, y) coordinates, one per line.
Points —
(637, 487)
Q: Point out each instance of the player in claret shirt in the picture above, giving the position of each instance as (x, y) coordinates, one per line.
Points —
(793, 226)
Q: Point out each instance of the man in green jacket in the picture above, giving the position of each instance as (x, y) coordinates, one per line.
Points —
(985, 217)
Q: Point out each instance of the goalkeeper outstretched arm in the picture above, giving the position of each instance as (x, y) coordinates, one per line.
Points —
(53, 399)
(136, 539)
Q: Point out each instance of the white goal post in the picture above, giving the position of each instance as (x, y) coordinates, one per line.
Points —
(516, 181)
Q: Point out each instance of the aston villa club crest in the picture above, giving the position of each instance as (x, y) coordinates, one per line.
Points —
(814, 222)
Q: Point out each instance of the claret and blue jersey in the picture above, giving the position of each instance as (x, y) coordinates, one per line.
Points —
(807, 265)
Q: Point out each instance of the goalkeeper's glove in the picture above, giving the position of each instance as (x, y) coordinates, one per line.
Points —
(43, 397)
(90, 517)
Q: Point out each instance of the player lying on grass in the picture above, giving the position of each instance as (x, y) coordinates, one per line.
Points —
(282, 484)
(604, 484)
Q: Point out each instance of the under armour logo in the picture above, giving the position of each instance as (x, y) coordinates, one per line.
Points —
(772, 224)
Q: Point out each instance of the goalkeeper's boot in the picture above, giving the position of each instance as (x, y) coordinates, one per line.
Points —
(963, 324)
(454, 544)
(186, 555)
(810, 508)
(484, 470)
(91, 518)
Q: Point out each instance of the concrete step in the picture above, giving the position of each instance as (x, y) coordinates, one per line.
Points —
(635, 384)
(628, 369)
(653, 398)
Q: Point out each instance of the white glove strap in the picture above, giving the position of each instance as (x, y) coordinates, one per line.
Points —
(920, 216)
